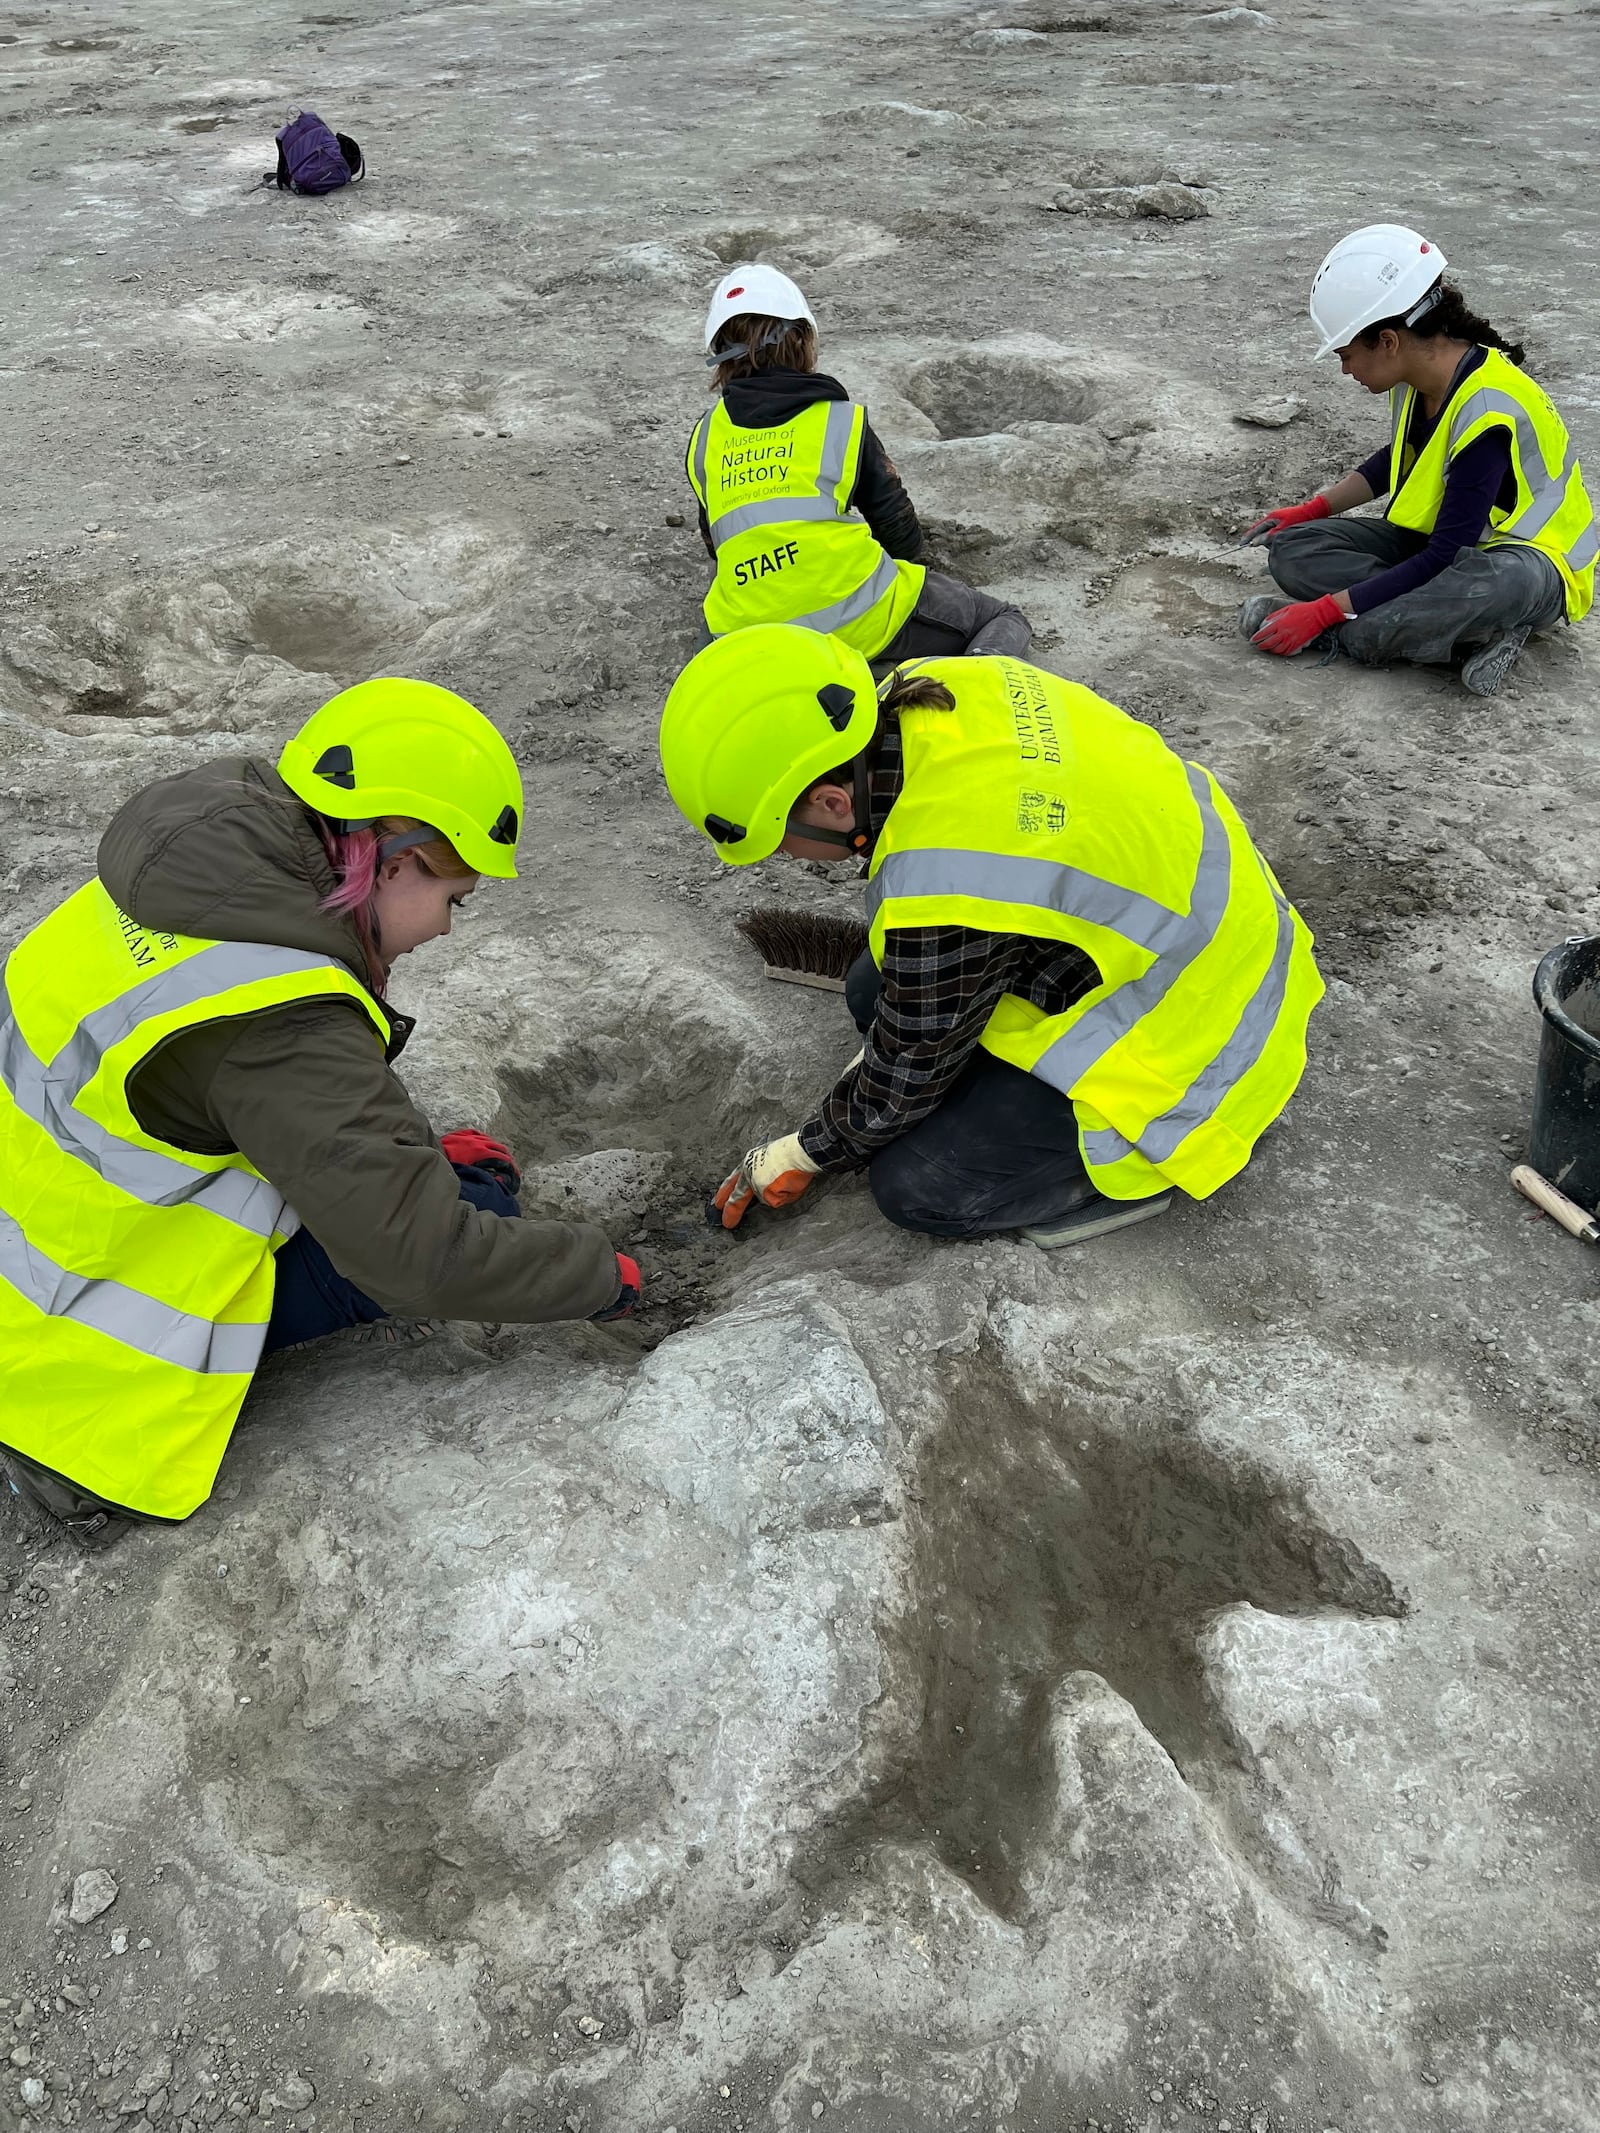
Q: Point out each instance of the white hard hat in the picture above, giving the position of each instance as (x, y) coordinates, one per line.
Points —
(761, 291)
(1384, 271)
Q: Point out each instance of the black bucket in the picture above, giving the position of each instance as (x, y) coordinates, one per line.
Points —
(1564, 1145)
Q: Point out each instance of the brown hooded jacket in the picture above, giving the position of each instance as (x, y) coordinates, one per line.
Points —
(227, 852)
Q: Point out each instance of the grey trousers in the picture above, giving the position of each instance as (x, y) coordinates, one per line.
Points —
(953, 620)
(1485, 593)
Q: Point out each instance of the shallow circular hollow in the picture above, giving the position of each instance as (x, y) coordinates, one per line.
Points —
(742, 247)
(976, 395)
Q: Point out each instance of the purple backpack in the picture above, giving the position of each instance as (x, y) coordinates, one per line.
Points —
(312, 158)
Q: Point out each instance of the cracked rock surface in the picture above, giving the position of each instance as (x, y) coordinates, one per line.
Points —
(891, 1685)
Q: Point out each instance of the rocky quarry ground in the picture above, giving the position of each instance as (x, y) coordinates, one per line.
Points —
(890, 1684)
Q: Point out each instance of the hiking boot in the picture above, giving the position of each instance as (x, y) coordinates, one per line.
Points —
(1097, 1217)
(88, 1521)
(1256, 610)
(1488, 667)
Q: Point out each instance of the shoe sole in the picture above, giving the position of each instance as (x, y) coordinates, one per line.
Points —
(1099, 1222)
(1485, 672)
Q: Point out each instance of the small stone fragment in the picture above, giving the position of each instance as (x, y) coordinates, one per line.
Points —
(119, 1943)
(296, 2093)
(818, 2108)
(92, 1893)
(402, 459)
(33, 2090)
(76, 1994)
(21, 2055)
(589, 2026)
(1276, 412)
(676, 518)
(1166, 201)
(154, 2074)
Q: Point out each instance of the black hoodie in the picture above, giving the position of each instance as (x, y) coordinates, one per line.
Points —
(770, 397)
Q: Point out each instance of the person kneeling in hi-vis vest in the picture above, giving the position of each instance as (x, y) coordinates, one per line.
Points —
(1489, 533)
(1084, 987)
(204, 1152)
(801, 510)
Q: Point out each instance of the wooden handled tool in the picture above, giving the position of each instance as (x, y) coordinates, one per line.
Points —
(1555, 1204)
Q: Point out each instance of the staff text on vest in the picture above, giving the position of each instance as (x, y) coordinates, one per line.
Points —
(761, 566)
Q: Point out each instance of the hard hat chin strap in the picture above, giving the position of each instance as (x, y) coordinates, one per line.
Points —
(1430, 302)
(770, 339)
(407, 840)
(855, 841)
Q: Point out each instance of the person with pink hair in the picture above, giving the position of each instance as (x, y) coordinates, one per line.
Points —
(205, 1152)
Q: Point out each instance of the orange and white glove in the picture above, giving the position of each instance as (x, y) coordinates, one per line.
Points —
(776, 1175)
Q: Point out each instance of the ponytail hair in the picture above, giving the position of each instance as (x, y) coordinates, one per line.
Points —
(354, 856)
(1450, 317)
(915, 692)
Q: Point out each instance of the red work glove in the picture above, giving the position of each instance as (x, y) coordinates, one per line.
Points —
(476, 1151)
(1291, 629)
(1285, 515)
(628, 1275)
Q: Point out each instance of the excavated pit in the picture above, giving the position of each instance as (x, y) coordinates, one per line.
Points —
(214, 641)
(977, 395)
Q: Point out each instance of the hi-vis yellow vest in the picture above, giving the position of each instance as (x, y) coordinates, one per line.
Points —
(789, 548)
(1552, 512)
(135, 1277)
(1035, 807)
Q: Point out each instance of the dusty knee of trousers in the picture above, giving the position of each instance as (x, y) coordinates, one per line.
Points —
(905, 1189)
(1286, 551)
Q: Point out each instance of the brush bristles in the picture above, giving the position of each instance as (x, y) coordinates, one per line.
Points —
(805, 941)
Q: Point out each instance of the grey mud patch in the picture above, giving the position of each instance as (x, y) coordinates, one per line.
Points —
(629, 1132)
(1053, 1551)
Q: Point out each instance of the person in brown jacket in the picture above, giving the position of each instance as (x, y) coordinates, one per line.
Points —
(239, 851)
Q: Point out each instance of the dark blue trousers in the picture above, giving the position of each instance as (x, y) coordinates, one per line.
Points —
(312, 1297)
(1000, 1152)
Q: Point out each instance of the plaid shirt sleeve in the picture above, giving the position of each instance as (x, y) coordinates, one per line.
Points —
(940, 986)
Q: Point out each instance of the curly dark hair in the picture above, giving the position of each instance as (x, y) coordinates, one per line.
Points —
(1451, 318)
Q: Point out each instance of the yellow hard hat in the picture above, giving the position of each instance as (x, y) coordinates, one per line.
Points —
(393, 747)
(755, 719)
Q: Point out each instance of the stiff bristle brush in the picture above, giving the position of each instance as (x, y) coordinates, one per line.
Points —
(805, 947)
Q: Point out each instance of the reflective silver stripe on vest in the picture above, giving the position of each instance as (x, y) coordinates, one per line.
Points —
(697, 448)
(1043, 884)
(159, 1180)
(1585, 549)
(1546, 495)
(127, 1315)
(861, 602)
(779, 510)
(1204, 1096)
(1177, 939)
(1184, 942)
(47, 1094)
